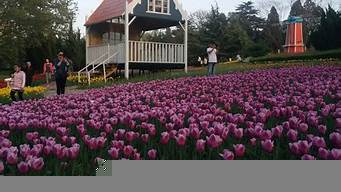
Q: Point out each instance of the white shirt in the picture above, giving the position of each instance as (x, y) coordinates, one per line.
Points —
(212, 56)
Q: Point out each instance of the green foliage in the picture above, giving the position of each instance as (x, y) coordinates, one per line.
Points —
(34, 30)
(327, 36)
(331, 54)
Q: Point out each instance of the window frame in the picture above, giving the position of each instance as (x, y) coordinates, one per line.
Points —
(162, 7)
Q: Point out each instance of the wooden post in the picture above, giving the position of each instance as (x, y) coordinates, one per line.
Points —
(186, 46)
(126, 19)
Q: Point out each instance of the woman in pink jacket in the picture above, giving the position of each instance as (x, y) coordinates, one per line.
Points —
(48, 70)
(18, 83)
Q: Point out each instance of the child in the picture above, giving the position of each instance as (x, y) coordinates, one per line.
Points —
(18, 83)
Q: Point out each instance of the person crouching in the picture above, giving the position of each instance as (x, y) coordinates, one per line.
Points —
(18, 83)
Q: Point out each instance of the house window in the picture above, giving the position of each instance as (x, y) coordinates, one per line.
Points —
(158, 6)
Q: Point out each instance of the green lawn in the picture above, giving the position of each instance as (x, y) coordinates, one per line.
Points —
(202, 71)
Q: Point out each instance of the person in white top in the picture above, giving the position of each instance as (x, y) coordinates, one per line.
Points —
(18, 83)
(212, 59)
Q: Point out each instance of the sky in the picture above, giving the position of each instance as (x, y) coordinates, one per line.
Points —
(86, 7)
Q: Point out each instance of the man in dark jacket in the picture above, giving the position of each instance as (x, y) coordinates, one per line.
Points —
(61, 69)
(29, 74)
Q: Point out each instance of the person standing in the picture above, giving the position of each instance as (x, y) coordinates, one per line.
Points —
(48, 70)
(29, 74)
(61, 70)
(17, 83)
(212, 59)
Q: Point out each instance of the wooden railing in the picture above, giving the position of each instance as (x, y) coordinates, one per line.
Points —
(153, 52)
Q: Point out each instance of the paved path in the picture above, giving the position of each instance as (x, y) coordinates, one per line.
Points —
(52, 90)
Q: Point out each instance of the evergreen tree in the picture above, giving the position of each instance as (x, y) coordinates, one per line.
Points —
(297, 9)
(273, 32)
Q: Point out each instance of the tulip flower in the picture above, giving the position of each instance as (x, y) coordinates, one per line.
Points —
(152, 154)
(239, 150)
(267, 145)
(227, 155)
(200, 145)
(2, 167)
(23, 167)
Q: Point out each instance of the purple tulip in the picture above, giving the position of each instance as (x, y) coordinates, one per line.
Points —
(303, 127)
(267, 145)
(214, 141)
(36, 164)
(239, 150)
(277, 131)
(335, 138)
(200, 145)
(336, 154)
(164, 138)
(238, 133)
(294, 148)
(181, 140)
(12, 158)
(145, 138)
(227, 155)
(319, 142)
(2, 167)
(128, 150)
(308, 157)
(253, 142)
(322, 129)
(23, 167)
(114, 153)
(195, 133)
(323, 153)
(292, 135)
(152, 154)
(304, 147)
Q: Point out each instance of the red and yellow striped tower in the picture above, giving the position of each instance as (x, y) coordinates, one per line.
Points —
(294, 38)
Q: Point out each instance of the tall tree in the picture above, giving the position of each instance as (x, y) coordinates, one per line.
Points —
(297, 9)
(250, 20)
(273, 32)
(327, 36)
(29, 25)
(312, 17)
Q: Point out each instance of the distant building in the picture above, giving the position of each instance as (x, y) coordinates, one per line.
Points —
(294, 36)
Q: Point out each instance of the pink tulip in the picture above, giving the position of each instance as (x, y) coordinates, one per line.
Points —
(225, 133)
(61, 131)
(336, 154)
(12, 158)
(29, 136)
(2, 167)
(267, 145)
(37, 164)
(23, 167)
(200, 145)
(292, 135)
(152, 130)
(323, 153)
(152, 154)
(294, 122)
(64, 139)
(227, 155)
(239, 150)
(137, 156)
(238, 133)
(164, 138)
(181, 140)
(335, 138)
(308, 157)
(114, 153)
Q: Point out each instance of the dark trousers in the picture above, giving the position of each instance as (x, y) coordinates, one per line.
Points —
(20, 94)
(61, 82)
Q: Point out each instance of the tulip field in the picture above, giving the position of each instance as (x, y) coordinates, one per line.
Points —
(274, 114)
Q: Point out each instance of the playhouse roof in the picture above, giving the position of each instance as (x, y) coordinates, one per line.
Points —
(108, 9)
